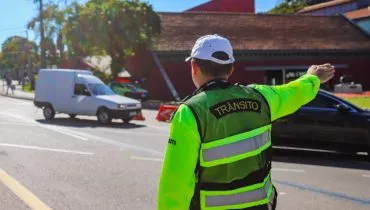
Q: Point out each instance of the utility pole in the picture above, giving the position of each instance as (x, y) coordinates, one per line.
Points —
(29, 68)
(28, 54)
(42, 35)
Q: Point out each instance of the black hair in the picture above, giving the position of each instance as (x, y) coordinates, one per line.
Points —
(211, 68)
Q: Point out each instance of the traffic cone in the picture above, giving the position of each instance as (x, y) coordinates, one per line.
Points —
(139, 116)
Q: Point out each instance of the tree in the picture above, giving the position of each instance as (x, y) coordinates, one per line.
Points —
(111, 27)
(289, 7)
(18, 53)
(53, 44)
(42, 33)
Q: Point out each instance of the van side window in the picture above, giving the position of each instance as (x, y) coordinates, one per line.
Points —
(81, 90)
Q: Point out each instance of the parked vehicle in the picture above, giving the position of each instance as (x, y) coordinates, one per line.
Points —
(129, 90)
(347, 85)
(79, 92)
(327, 122)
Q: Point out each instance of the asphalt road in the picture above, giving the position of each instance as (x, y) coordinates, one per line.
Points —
(79, 164)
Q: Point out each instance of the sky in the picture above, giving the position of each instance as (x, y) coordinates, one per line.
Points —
(14, 14)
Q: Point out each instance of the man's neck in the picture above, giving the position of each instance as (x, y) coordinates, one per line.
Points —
(209, 79)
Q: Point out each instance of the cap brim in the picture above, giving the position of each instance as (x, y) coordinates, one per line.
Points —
(188, 59)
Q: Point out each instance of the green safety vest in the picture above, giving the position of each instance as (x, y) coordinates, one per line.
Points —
(234, 124)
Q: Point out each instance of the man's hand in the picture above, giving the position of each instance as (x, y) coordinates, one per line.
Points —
(325, 72)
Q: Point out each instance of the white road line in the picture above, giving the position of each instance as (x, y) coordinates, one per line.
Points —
(273, 169)
(45, 149)
(145, 158)
(17, 123)
(64, 131)
(159, 128)
(130, 132)
(282, 193)
(119, 144)
(49, 127)
(366, 175)
(289, 170)
(86, 136)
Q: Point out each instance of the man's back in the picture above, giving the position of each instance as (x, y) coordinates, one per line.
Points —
(220, 138)
(228, 110)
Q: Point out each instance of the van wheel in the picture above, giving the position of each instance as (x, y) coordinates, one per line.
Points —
(72, 116)
(49, 112)
(127, 120)
(104, 116)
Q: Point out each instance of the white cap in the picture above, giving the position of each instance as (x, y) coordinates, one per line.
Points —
(205, 46)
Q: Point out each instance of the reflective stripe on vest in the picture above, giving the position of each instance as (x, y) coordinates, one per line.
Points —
(258, 194)
(236, 147)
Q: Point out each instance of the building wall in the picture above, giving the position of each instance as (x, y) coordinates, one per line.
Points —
(243, 6)
(180, 73)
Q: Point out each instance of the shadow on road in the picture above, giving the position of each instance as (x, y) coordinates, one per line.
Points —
(84, 123)
(319, 158)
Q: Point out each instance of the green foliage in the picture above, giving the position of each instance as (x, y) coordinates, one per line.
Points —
(363, 102)
(111, 27)
(102, 75)
(289, 7)
(16, 51)
(53, 20)
(27, 88)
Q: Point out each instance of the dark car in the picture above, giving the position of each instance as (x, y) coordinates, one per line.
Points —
(129, 90)
(327, 122)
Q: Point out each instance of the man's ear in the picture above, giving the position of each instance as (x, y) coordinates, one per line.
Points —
(231, 72)
(194, 68)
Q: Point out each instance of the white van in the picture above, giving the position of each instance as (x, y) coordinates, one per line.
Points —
(79, 92)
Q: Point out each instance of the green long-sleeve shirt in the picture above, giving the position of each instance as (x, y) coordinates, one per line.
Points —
(177, 182)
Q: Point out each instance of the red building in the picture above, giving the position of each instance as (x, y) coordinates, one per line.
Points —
(271, 49)
(245, 6)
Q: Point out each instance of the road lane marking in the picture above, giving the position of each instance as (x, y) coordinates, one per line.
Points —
(145, 133)
(45, 149)
(157, 127)
(17, 124)
(273, 169)
(121, 145)
(336, 195)
(145, 158)
(64, 131)
(85, 136)
(366, 175)
(282, 193)
(22, 192)
(49, 127)
(289, 170)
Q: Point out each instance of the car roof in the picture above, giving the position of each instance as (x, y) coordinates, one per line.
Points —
(329, 94)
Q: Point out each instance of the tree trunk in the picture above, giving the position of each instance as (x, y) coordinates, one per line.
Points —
(60, 47)
(116, 65)
(42, 35)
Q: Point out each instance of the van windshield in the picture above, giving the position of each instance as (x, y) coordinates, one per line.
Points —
(100, 89)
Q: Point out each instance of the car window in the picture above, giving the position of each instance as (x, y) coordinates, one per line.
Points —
(133, 87)
(81, 90)
(100, 89)
(322, 102)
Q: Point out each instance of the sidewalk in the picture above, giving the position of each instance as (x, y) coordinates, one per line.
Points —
(18, 93)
